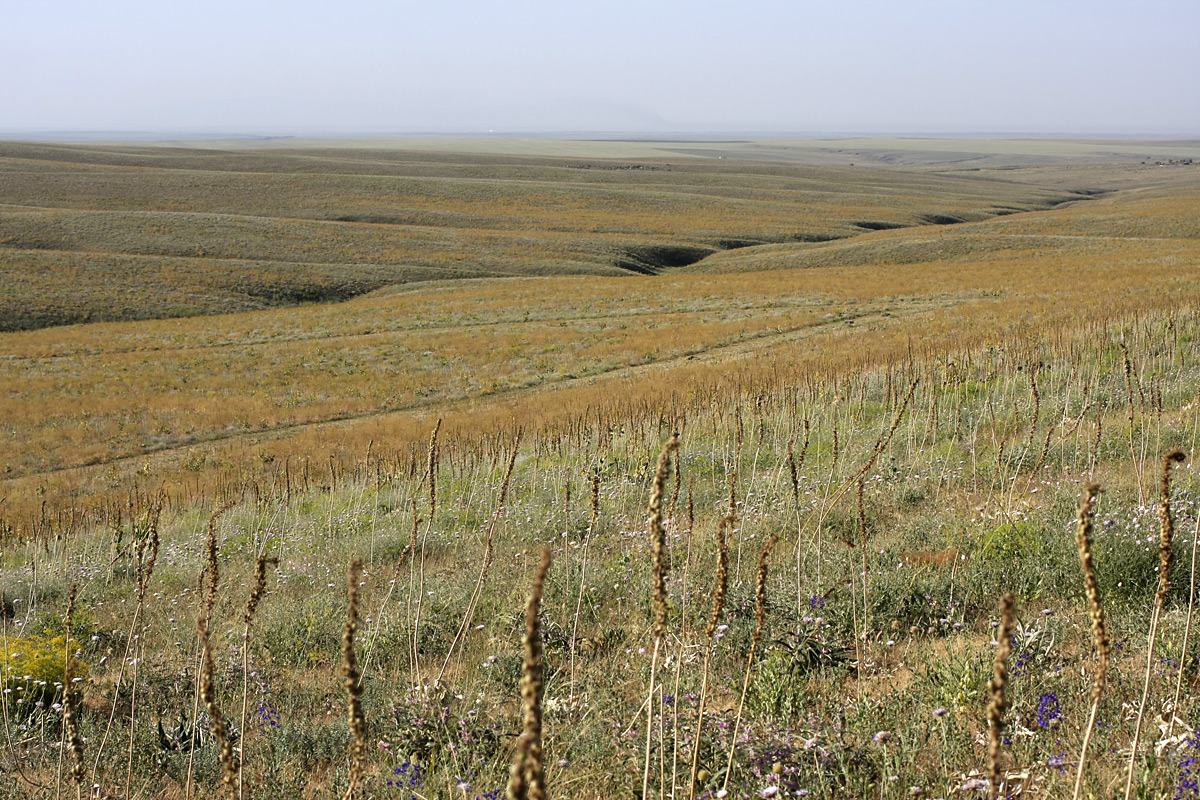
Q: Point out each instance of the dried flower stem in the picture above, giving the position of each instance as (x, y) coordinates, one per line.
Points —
(260, 588)
(354, 688)
(658, 536)
(395, 581)
(217, 725)
(208, 594)
(1160, 599)
(996, 687)
(1083, 538)
(526, 780)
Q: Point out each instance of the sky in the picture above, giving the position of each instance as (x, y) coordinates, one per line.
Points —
(459, 66)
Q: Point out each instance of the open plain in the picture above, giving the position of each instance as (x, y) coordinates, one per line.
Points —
(894, 368)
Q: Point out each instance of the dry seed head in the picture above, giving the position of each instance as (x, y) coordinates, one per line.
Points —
(691, 509)
(996, 688)
(431, 468)
(1168, 524)
(210, 576)
(489, 548)
(217, 724)
(512, 460)
(804, 447)
(658, 536)
(260, 587)
(884, 439)
(527, 778)
(147, 547)
(722, 576)
(350, 679)
(412, 540)
(208, 693)
(760, 589)
(1083, 538)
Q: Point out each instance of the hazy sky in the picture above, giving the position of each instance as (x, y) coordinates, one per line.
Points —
(1094, 66)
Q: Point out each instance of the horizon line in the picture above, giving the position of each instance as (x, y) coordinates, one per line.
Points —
(273, 134)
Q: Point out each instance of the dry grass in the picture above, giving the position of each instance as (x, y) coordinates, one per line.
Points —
(942, 436)
(897, 364)
(199, 390)
(115, 233)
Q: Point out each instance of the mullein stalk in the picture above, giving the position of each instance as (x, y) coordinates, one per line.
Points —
(527, 779)
(658, 536)
(1160, 599)
(256, 594)
(354, 688)
(996, 687)
(1083, 538)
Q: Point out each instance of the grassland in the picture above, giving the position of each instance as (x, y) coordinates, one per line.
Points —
(117, 233)
(1049, 334)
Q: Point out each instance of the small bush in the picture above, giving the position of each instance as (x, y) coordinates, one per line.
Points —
(32, 671)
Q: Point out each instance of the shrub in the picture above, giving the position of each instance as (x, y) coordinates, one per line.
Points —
(32, 671)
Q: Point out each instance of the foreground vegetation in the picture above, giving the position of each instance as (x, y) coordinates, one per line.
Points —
(223, 531)
(872, 665)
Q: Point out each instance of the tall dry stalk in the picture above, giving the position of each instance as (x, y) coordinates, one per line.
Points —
(527, 780)
(658, 588)
(217, 725)
(256, 594)
(760, 618)
(722, 586)
(1160, 598)
(1037, 407)
(74, 740)
(996, 687)
(1083, 538)
(431, 462)
(862, 533)
(793, 475)
(209, 577)
(683, 646)
(354, 688)
(208, 693)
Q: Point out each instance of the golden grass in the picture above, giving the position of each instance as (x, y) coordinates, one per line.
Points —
(89, 409)
(110, 233)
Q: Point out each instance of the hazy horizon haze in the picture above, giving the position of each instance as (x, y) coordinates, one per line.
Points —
(530, 66)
